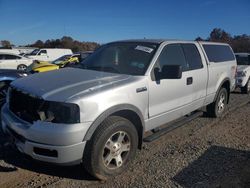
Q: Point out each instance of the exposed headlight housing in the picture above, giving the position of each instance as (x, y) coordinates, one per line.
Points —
(241, 74)
(59, 112)
(31, 108)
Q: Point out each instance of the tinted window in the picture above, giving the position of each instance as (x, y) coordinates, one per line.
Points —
(192, 56)
(218, 53)
(11, 57)
(1, 56)
(172, 54)
(42, 52)
(243, 60)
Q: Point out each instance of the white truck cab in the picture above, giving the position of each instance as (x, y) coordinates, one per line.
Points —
(48, 54)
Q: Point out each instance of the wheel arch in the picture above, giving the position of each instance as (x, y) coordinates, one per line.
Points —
(224, 84)
(127, 111)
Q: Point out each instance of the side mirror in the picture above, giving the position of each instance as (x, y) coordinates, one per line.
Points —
(171, 72)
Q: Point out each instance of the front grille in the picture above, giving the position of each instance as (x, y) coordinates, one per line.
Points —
(16, 136)
(24, 106)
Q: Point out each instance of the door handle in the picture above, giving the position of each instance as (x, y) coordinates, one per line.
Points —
(189, 80)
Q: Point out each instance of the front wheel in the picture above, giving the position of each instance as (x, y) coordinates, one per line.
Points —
(217, 108)
(21, 67)
(246, 88)
(111, 149)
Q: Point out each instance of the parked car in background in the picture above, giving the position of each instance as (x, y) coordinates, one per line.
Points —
(243, 72)
(61, 62)
(48, 54)
(14, 61)
(6, 77)
(98, 114)
(12, 51)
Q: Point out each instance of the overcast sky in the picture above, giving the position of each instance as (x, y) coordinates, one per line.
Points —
(25, 21)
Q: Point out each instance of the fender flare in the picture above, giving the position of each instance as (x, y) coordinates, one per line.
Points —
(109, 112)
(218, 89)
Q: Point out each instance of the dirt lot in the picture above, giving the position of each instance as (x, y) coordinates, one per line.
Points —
(204, 153)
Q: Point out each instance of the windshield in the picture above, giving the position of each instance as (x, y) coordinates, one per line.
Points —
(130, 58)
(243, 60)
(61, 59)
(34, 52)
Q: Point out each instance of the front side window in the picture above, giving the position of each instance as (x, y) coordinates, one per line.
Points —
(172, 54)
(11, 57)
(130, 58)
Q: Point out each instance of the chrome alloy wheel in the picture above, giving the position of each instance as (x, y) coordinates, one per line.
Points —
(116, 150)
(221, 103)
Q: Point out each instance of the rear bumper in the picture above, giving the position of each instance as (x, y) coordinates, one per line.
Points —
(50, 145)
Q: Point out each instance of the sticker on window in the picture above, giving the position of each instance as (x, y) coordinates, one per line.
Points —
(144, 49)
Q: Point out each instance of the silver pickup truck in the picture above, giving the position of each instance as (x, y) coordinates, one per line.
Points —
(97, 114)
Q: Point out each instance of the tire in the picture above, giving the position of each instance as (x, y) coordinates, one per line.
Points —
(246, 88)
(104, 157)
(217, 108)
(21, 67)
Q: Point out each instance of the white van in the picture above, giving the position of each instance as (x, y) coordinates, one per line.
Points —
(12, 51)
(48, 54)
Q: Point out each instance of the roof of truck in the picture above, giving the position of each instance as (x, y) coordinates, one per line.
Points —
(242, 54)
(159, 41)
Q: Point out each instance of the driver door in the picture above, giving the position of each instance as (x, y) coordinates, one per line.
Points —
(169, 99)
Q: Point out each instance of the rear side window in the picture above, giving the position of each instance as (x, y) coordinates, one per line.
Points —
(218, 53)
(192, 56)
(172, 54)
(11, 57)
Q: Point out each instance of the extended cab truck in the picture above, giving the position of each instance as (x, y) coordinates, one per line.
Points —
(98, 114)
(48, 54)
(243, 72)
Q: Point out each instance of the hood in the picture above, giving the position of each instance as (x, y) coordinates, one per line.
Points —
(5, 71)
(63, 84)
(241, 68)
(12, 74)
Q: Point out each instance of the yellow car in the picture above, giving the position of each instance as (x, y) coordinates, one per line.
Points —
(42, 66)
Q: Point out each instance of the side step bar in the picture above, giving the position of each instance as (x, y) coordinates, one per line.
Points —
(160, 132)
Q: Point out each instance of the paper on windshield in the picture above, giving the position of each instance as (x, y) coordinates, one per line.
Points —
(144, 49)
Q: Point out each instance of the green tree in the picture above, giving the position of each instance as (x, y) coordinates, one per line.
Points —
(6, 44)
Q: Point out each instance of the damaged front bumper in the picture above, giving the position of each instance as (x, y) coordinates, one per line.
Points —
(46, 141)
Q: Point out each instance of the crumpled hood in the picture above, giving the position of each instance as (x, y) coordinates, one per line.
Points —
(63, 84)
(241, 68)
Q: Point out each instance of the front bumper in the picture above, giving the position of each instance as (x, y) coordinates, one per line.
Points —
(241, 81)
(44, 141)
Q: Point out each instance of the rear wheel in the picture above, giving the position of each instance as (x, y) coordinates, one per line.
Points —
(217, 108)
(21, 67)
(246, 88)
(111, 149)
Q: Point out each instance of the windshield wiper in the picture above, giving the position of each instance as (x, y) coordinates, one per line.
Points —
(102, 68)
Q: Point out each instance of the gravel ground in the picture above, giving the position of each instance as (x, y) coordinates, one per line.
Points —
(206, 152)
